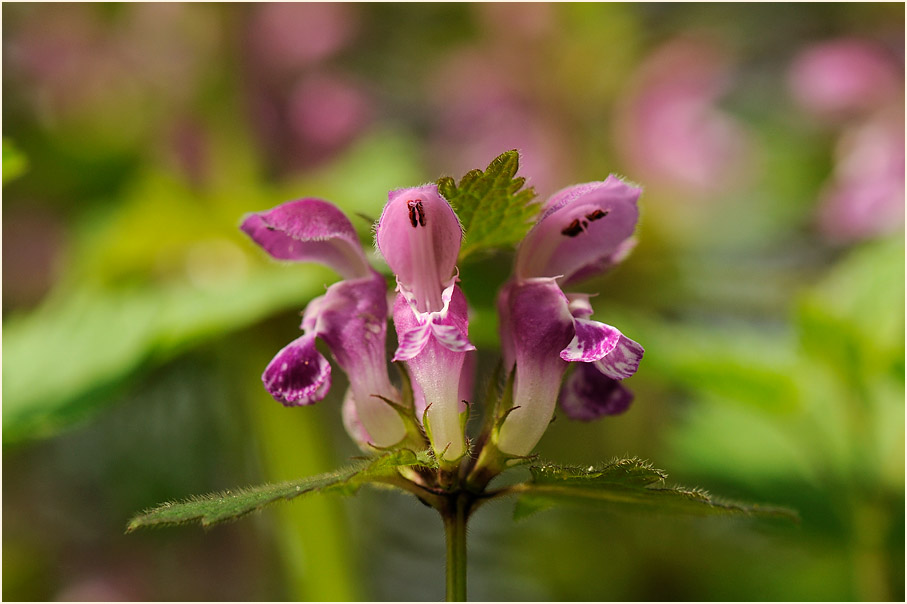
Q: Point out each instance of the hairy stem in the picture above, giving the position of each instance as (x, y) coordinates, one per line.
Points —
(455, 516)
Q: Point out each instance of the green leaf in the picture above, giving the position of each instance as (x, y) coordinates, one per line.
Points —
(740, 364)
(492, 206)
(854, 318)
(110, 335)
(229, 505)
(14, 162)
(631, 484)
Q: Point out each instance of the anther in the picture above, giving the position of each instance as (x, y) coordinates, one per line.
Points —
(416, 209)
(573, 229)
(597, 214)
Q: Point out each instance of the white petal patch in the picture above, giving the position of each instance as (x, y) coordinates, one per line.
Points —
(412, 342)
(593, 341)
(450, 337)
(623, 361)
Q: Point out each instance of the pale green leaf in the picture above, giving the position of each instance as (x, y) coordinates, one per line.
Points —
(737, 364)
(215, 508)
(493, 207)
(61, 359)
(629, 484)
(854, 317)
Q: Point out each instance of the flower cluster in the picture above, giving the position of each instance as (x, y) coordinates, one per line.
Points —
(583, 230)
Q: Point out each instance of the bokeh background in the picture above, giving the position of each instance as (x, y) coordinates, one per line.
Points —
(767, 286)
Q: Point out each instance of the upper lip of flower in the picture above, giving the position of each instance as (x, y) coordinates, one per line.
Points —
(581, 226)
(419, 235)
(309, 230)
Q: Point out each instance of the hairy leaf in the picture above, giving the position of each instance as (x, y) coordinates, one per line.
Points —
(631, 484)
(229, 505)
(493, 207)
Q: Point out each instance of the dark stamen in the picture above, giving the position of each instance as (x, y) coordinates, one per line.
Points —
(573, 229)
(597, 214)
(415, 207)
(421, 213)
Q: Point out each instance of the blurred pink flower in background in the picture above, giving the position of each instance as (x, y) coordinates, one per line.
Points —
(481, 111)
(515, 20)
(285, 36)
(856, 85)
(865, 196)
(669, 128)
(77, 64)
(304, 110)
(327, 111)
(838, 78)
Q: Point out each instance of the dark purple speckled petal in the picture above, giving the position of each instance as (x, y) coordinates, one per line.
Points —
(299, 374)
(589, 394)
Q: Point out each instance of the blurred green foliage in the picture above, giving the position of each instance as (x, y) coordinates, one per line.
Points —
(14, 162)
(136, 318)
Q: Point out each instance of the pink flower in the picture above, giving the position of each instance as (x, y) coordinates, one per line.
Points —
(865, 197)
(419, 236)
(670, 129)
(584, 229)
(351, 317)
(841, 77)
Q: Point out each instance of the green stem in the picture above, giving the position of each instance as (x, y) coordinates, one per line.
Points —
(455, 516)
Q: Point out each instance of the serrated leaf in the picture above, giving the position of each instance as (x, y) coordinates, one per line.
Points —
(631, 484)
(229, 505)
(493, 207)
(631, 472)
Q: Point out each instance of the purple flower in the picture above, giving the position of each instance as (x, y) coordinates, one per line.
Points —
(839, 78)
(865, 195)
(584, 229)
(419, 236)
(670, 128)
(351, 318)
(589, 394)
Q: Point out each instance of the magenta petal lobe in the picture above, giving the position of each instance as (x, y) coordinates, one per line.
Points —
(623, 361)
(593, 340)
(299, 374)
(309, 230)
(588, 394)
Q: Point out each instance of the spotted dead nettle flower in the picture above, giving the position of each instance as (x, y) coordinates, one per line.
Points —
(419, 235)
(584, 230)
(351, 318)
